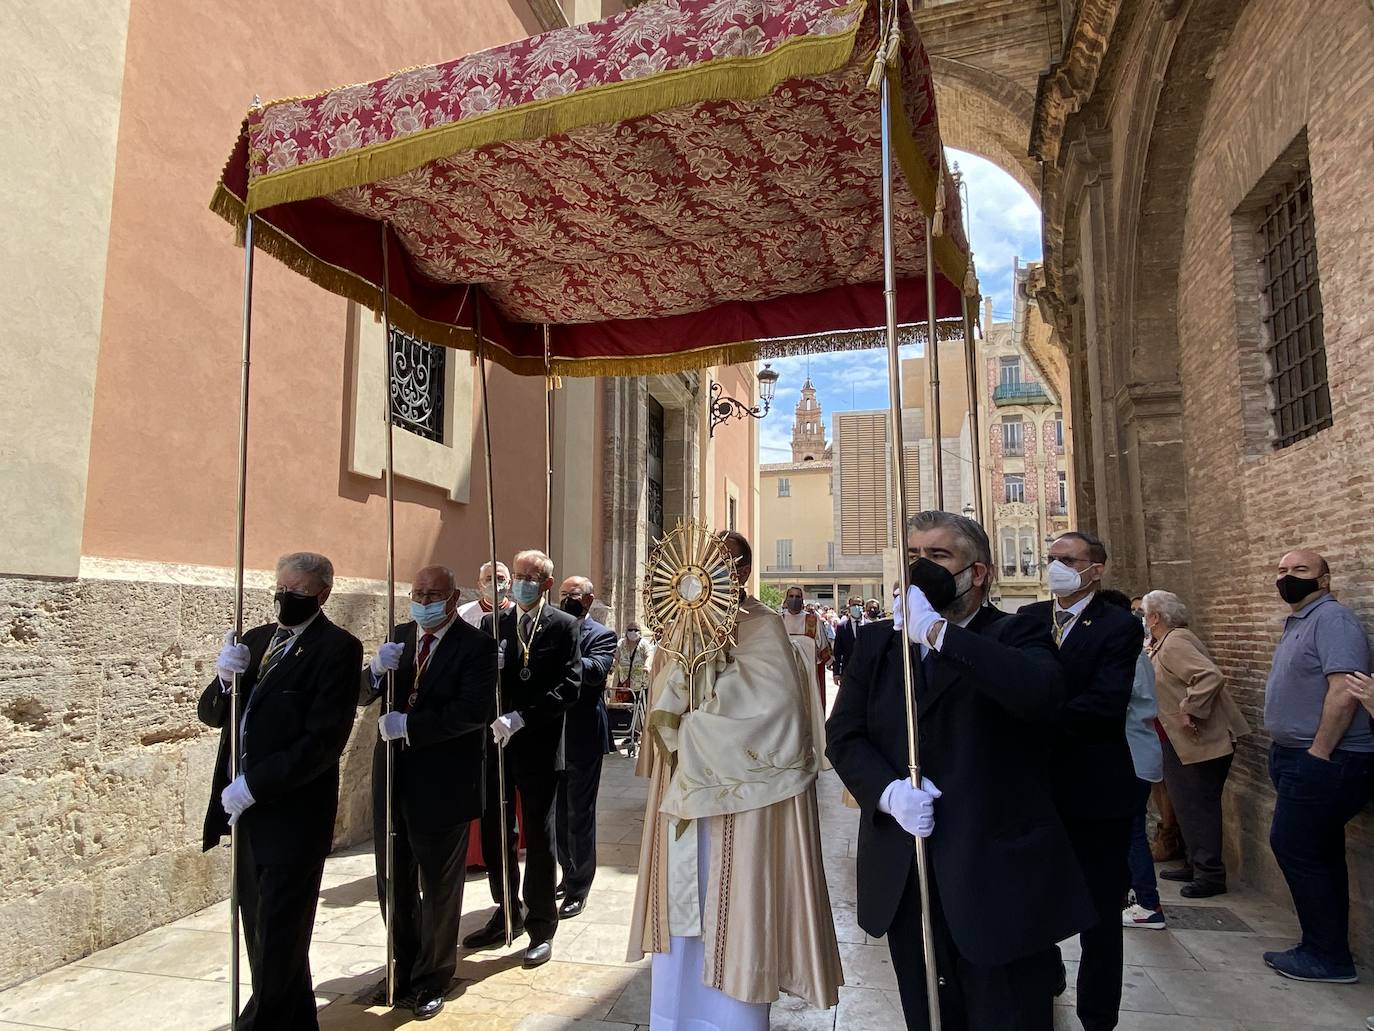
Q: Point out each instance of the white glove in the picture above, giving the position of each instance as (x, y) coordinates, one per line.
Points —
(388, 657)
(503, 728)
(923, 617)
(236, 798)
(393, 726)
(913, 808)
(233, 658)
(501, 655)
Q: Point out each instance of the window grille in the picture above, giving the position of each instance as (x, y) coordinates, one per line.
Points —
(417, 386)
(1300, 400)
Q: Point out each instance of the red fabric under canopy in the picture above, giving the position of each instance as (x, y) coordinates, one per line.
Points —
(687, 183)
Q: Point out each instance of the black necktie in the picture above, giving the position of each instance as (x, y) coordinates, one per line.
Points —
(1062, 618)
(275, 651)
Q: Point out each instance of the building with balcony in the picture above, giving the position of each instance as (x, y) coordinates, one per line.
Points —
(1027, 489)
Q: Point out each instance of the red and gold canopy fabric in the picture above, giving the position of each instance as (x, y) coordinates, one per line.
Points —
(687, 183)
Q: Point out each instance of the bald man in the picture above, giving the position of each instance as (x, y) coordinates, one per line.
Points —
(442, 700)
(1321, 762)
(587, 739)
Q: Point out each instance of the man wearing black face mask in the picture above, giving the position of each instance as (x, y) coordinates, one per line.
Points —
(298, 682)
(1320, 762)
(987, 686)
(586, 740)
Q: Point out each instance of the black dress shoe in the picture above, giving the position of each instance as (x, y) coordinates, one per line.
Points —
(493, 933)
(1177, 873)
(405, 998)
(559, 891)
(571, 907)
(538, 954)
(427, 1005)
(1202, 889)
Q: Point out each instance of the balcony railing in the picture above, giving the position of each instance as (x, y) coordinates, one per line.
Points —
(1020, 394)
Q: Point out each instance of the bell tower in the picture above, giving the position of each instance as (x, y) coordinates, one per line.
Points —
(808, 432)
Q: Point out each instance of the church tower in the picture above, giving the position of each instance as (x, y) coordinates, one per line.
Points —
(808, 432)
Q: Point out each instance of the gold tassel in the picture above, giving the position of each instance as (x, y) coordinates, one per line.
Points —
(938, 222)
(971, 279)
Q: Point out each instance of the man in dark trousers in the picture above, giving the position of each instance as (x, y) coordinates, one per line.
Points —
(845, 632)
(541, 673)
(587, 739)
(442, 701)
(298, 684)
(1003, 883)
(1094, 778)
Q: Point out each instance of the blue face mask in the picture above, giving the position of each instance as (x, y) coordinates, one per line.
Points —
(524, 593)
(430, 615)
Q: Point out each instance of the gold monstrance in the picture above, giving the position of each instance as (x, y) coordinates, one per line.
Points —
(691, 595)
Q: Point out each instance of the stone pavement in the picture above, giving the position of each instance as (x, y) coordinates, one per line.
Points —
(174, 977)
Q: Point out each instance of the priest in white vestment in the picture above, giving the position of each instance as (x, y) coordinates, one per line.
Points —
(809, 637)
(732, 900)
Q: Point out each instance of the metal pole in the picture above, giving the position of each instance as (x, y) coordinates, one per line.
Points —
(548, 447)
(238, 615)
(390, 619)
(894, 379)
(975, 444)
(495, 614)
(938, 469)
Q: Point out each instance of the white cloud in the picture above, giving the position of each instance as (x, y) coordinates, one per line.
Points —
(1004, 225)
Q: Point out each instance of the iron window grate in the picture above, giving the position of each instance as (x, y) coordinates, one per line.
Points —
(1291, 291)
(417, 385)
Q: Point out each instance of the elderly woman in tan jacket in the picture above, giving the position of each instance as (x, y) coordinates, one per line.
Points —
(1202, 722)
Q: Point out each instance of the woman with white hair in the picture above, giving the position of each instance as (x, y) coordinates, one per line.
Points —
(1202, 722)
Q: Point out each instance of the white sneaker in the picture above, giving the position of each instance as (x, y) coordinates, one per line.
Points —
(1139, 916)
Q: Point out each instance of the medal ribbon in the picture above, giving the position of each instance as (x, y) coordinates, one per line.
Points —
(525, 645)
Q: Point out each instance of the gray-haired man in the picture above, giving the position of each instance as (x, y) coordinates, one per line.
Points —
(298, 684)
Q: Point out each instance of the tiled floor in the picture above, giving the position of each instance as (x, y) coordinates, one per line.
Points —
(175, 977)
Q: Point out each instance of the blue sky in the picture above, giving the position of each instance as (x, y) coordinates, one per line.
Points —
(1005, 225)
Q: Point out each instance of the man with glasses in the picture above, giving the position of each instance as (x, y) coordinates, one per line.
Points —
(586, 740)
(487, 598)
(442, 700)
(298, 683)
(541, 674)
(1094, 777)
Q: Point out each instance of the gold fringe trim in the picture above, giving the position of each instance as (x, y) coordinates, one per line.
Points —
(725, 78)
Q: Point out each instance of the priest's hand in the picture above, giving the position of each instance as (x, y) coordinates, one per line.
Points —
(503, 728)
(392, 726)
(913, 808)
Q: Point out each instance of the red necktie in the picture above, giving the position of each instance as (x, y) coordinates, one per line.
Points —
(426, 643)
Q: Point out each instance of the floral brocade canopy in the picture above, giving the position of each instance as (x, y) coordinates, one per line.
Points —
(686, 183)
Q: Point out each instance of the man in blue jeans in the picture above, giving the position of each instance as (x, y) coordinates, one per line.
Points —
(1321, 763)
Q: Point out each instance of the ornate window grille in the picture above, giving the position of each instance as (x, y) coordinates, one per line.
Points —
(1300, 400)
(417, 386)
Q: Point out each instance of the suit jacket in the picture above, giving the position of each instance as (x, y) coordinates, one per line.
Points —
(440, 770)
(1094, 777)
(999, 846)
(555, 666)
(844, 644)
(1188, 681)
(587, 734)
(296, 720)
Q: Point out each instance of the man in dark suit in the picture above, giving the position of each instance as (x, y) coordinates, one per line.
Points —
(1003, 883)
(1094, 778)
(298, 682)
(442, 701)
(845, 632)
(541, 673)
(587, 739)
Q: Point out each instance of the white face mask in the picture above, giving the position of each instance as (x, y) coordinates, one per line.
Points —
(1064, 579)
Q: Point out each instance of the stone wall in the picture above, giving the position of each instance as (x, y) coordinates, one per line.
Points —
(104, 768)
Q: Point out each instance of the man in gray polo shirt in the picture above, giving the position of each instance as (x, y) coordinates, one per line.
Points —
(1321, 763)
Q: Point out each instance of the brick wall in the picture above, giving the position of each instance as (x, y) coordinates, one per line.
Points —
(1247, 502)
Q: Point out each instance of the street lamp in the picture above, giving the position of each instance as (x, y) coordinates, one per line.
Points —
(969, 510)
(1026, 556)
(724, 408)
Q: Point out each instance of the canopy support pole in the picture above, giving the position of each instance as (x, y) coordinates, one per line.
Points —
(234, 715)
(548, 447)
(495, 614)
(894, 379)
(937, 470)
(975, 444)
(390, 618)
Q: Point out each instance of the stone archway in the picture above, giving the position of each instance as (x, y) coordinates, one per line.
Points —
(985, 114)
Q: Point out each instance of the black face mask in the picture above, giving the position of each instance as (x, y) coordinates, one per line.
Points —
(1294, 589)
(572, 606)
(793, 605)
(937, 583)
(294, 609)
